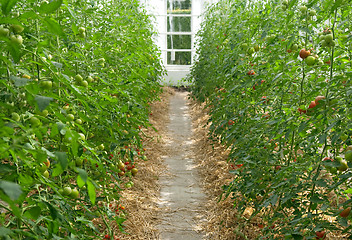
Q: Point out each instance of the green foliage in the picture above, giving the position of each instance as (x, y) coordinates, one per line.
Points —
(59, 131)
(250, 74)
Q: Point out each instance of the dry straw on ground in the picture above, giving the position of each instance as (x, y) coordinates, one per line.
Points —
(141, 201)
(223, 221)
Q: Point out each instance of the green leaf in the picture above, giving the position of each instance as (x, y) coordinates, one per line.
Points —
(57, 170)
(62, 157)
(11, 189)
(274, 199)
(49, 7)
(20, 82)
(25, 179)
(43, 102)
(61, 126)
(57, 64)
(91, 192)
(33, 212)
(14, 51)
(53, 212)
(322, 138)
(321, 183)
(336, 5)
(4, 232)
(80, 181)
(316, 199)
(7, 5)
(83, 174)
(53, 26)
(348, 191)
(343, 222)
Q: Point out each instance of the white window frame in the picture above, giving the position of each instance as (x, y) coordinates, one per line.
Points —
(165, 33)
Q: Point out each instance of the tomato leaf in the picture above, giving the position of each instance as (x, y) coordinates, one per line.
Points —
(53, 26)
(49, 7)
(7, 5)
(43, 102)
(62, 157)
(4, 232)
(14, 51)
(83, 174)
(33, 212)
(53, 212)
(11, 189)
(20, 82)
(91, 192)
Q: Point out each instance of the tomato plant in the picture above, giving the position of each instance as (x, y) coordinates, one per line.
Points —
(306, 110)
(76, 80)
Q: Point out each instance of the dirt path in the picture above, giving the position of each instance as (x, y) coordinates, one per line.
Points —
(181, 195)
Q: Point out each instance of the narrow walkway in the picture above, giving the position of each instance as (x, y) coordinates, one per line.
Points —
(181, 196)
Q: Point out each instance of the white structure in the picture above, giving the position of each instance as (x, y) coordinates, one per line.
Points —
(177, 22)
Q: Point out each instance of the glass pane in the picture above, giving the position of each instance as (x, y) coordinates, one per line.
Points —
(179, 6)
(178, 24)
(179, 58)
(179, 42)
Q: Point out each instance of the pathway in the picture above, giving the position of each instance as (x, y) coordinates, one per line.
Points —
(181, 196)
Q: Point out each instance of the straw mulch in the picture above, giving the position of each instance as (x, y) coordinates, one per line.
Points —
(141, 201)
(223, 222)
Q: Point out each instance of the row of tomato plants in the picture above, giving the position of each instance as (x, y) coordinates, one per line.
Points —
(276, 77)
(76, 82)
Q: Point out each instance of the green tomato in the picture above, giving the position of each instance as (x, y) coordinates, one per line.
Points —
(79, 162)
(78, 78)
(84, 83)
(42, 168)
(90, 79)
(4, 32)
(34, 121)
(312, 12)
(15, 116)
(70, 117)
(44, 113)
(18, 40)
(101, 147)
(67, 191)
(81, 29)
(343, 166)
(339, 159)
(79, 121)
(46, 84)
(82, 136)
(348, 155)
(310, 60)
(303, 9)
(17, 28)
(46, 174)
(329, 38)
(74, 193)
(294, 47)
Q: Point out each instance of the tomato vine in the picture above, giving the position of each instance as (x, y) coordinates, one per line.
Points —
(280, 73)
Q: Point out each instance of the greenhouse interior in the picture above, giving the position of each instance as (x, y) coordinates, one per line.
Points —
(175, 119)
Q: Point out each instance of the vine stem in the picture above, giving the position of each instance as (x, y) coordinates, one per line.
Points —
(325, 108)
